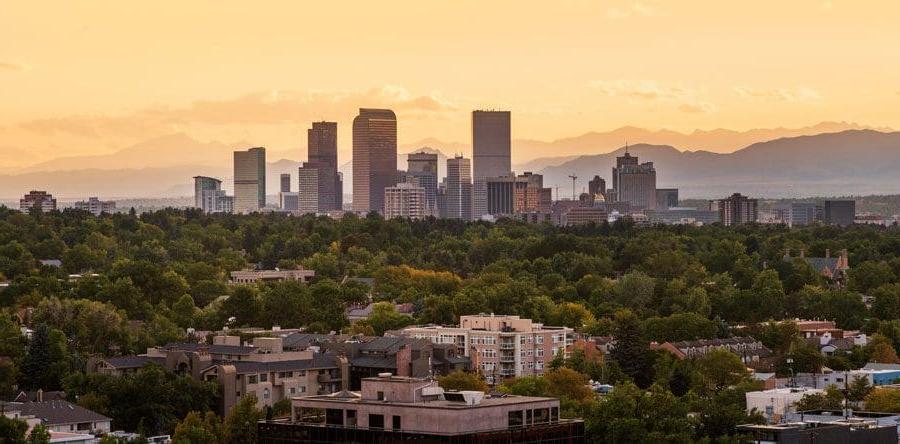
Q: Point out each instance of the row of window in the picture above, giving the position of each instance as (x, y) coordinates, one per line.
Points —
(264, 377)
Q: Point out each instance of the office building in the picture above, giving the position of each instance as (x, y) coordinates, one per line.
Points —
(580, 215)
(392, 408)
(666, 198)
(500, 346)
(683, 216)
(327, 190)
(597, 187)
(839, 212)
(634, 182)
(441, 200)
(210, 197)
(422, 170)
(289, 201)
(491, 153)
(736, 209)
(374, 157)
(96, 206)
(500, 195)
(405, 200)
(530, 196)
(40, 200)
(249, 180)
(835, 431)
(285, 183)
(459, 188)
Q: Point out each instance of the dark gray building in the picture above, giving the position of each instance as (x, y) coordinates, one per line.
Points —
(422, 170)
(500, 195)
(491, 152)
(374, 157)
(666, 198)
(840, 212)
(459, 188)
(736, 209)
(326, 192)
(634, 182)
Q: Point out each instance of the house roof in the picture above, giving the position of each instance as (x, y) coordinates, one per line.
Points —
(318, 361)
(822, 263)
(738, 340)
(304, 340)
(32, 395)
(374, 362)
(216, 349)
(59, 412)
(123, 362)
(879, 366)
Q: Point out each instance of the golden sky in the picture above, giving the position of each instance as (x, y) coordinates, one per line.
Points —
(90, 76)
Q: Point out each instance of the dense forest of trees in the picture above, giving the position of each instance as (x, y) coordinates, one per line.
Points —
(146, 278)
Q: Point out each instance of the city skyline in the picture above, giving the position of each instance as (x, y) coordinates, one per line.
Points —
(828, 63)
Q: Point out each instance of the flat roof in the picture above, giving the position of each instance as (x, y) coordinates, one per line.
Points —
(493, 401)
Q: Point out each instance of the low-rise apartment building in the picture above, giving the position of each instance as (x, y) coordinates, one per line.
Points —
(393, 409)
(500, 346)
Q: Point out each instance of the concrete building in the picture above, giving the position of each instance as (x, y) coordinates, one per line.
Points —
(96, 206)
(249, 180)
(491, 153)
(666, 198)
(374, 157)
(835, 431)
(499, 346)
(459, 189)
(422, 170)
(500, 195)
(405, 200)
(736, 209)
(40, 200)
(401, 409)
(775, 403)
(254, 276)
(597, 187)
(568, 216)
(530, 196)
(289, 201)
(210, 197)
(683, 216)
(634, 182)
(285, 183)
(321, 186)
(798, 214)
(839, 212)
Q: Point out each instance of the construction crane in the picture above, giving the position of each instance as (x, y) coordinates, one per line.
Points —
(573, 177)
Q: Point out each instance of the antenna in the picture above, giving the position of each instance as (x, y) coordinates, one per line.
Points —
(573, 177)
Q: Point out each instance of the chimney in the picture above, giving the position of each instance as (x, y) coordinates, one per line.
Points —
(40, 395)
(827, 253)
(803, 252)
(787, 252)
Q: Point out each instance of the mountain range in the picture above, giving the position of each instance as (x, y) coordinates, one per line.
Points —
(776, 162)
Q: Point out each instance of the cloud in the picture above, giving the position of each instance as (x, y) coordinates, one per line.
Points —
(689, 100)
(636, 9)
(12, 66)
(790, 95)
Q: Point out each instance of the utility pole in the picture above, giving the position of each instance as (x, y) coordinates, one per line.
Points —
(573, 177)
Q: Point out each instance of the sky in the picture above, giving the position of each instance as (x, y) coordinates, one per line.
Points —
(93, 77)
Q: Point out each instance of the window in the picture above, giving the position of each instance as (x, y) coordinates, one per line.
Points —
(541, 416)
(251, 379)
(381, 396)
(539, 339)
(334, 417)
(554, 414)
(539, 353)
(293, 390)
(528, 417)
(263, 377)
(376, 421)
(302, 389)
(266, 393)
(396, 424)
(515, 418)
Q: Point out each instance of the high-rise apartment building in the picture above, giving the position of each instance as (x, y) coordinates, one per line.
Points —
(96, 206)
(210, 197)
(459, 188)
(634, 182)
(491, 153)
(249, 180)
(374, 157)
(422, 170)
(736, 209)
(840, 212)
(405, 200)
(322, 152)
(40, 200)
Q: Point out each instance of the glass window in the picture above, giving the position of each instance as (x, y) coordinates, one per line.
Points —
(515, 418)
(376, 421)
(396, 424)
(334, 417)
(381, 396)
(263, 377)
(251, 379)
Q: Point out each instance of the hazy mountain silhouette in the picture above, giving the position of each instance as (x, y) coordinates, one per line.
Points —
(849, 162)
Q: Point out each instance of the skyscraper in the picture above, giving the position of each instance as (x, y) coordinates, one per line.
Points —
(374, 157)
(322, 152)
(840, 212)
(491, 152)
(249, 180)
(530, 194)
(285, 183)
(210, 197)
(633, 182)
(459, 188)
(736, 209)
(308, 194)
(423, 170)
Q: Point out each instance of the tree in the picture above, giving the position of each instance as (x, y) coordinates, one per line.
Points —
(462, 381)
(197, 428)
(12, 431)
(858, 390)
(832, 399)
(632, 350)
(870, 275)
(385, 317)
(38, 360)
(240, 424)
(243, 305)
(635, 290)
(39, 435)
(633, 415)
(720, 369)
(883, 400)
(881, 350)
(184, 311)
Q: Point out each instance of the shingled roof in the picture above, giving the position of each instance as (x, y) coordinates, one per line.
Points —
(59, 412)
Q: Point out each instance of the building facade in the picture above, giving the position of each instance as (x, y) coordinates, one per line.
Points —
(405, 200)
(96, 206)
(327, 190)
(249, 180)
(40, 200)
(209, 196)
(491, 153)
(459, 189)
(499, 346)
(374, 157)
(634, 182)
(254, 276)
(422, 170)
(666, 198)
(839, 212)
(736, 209)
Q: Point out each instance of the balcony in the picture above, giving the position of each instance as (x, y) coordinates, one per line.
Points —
(507, 359)
(507, 346)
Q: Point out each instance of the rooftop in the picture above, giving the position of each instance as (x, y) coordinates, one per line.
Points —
(56, 412)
